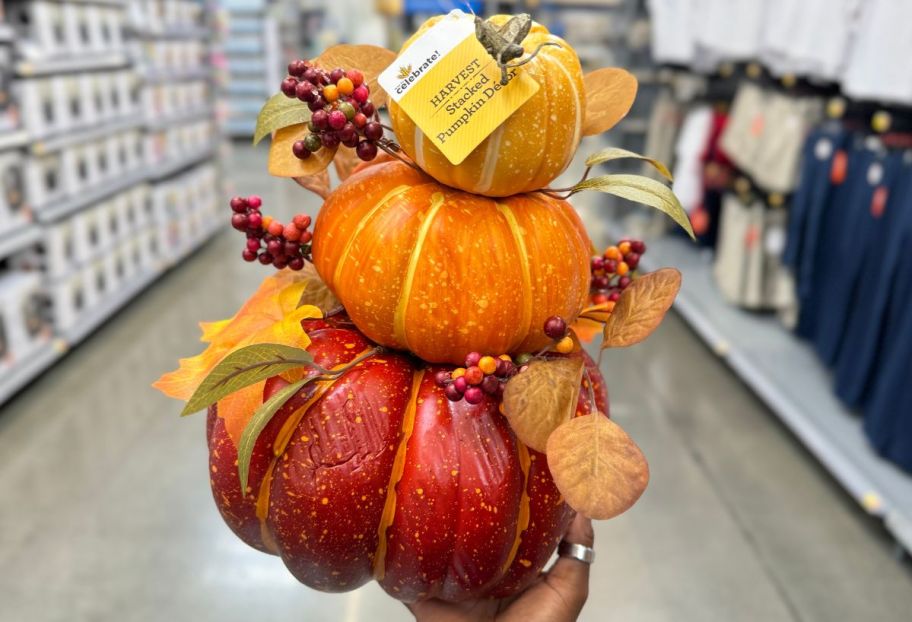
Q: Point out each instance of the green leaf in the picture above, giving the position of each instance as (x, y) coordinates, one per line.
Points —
(642, 190)
(280, 111)
(258, 422)
(243, 368)
(615, 153)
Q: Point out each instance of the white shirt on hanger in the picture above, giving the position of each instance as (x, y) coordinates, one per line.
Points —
(673, 31)
(879, 67)
(688, 169)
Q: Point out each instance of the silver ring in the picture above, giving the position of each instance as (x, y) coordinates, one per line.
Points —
(579, 552)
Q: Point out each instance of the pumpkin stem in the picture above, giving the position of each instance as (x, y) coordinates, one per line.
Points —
(504, 79)
(393, 149)
(552, 192)
(593, 407)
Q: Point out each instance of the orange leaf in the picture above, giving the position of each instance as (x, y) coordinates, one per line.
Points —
(211, 330)
(610, 93)
(318, 183)
(541, 398)
(271, 315)
(586, 329)
(596, 466)
(641, 308)
(370, 60)
(283, 163)
(345, 162)
(237, 409)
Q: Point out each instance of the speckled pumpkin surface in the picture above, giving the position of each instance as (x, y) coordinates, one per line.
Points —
(533, 146)
(376, 475)
(426, 268)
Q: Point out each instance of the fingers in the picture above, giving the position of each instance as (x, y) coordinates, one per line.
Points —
(570, 576)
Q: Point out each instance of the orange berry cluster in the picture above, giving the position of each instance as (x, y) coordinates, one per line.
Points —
(481, 375)
(612, 272)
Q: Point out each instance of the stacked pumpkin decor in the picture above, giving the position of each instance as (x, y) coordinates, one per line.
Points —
(406, 398)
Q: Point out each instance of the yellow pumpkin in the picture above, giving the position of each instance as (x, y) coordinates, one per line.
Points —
(533, 146)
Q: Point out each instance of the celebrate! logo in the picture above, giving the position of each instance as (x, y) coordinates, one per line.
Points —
(404, 72)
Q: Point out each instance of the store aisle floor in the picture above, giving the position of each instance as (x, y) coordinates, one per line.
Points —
(106, 512)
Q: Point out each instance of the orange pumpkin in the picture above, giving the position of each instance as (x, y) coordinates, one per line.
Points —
(423, 267)
(533, 146)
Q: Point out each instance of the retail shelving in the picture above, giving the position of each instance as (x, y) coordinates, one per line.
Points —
(15, 239)
(254, 60)
(49, 351)
(170, 137)
(80, 136)
(180, 118)
(28, 367)
(13, 140)
(785, 373)
(171, 167)
(65, 207)
(33, 68)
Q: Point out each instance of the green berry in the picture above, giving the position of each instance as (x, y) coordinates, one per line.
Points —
(348, 110)
(312, 142)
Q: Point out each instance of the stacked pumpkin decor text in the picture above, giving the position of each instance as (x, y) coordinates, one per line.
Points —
(406, 398)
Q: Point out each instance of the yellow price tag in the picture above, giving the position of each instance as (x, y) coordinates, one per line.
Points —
(451, 87)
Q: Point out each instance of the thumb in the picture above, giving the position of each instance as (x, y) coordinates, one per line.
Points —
(568, 573)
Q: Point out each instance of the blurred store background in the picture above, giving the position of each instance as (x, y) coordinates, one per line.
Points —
(776, 407)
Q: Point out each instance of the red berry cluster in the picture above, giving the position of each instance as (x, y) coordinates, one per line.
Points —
(268, 240)
(481, 375)
(612, 272)
(341, 110)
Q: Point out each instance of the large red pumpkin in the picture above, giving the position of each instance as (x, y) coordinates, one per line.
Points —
(376, 475)
(439, 272)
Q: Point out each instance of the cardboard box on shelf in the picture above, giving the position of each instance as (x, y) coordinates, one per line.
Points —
(43, 180)
(40, 27)
(70, 298)
(12, 192)
(23, 324)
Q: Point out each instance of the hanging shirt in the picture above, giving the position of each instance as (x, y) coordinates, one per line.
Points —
(878, 66)
(808, 38)
(848, 226)
(888, 413)
(808, 205)
(673, 31)
(688, 170)
(857, 365)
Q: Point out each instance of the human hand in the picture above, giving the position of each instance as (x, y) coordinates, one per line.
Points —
(556, 596)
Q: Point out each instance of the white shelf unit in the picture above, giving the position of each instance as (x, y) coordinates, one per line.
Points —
(253, 53)
(99, 244)
(787, 375)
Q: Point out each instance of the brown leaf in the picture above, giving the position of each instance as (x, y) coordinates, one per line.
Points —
(641, 308)
(541, 398)
(318, 183)
(283, 163)
(609, 95)
(316, 292)
(596, 466)
(345, 162)
(370, 60)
